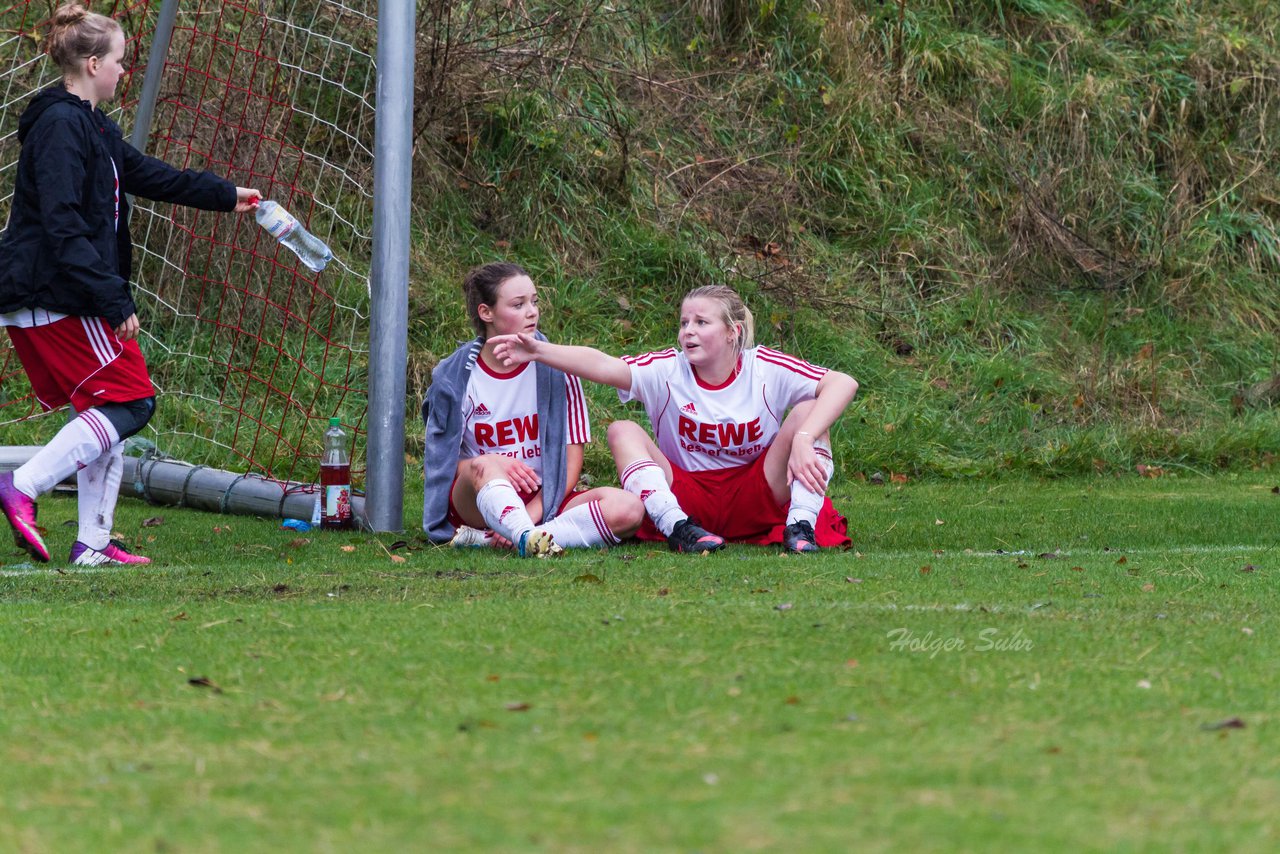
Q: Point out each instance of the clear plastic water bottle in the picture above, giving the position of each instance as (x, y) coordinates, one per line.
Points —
(286, 229)
(335, 478)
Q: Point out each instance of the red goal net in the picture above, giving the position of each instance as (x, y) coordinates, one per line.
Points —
(250, 351)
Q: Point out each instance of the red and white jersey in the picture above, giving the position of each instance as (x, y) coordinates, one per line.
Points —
(500, 414)
(699, 426)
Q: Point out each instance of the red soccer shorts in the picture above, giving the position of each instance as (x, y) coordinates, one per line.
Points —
(738, 504)
(79, 360)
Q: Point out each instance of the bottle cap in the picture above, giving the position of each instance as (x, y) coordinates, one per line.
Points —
(335, 422)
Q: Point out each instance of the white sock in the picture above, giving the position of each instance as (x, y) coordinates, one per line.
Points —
(98, 486)
(582, 527)
(805, 504)
(502, 509)
(644, 479)
(81, 441)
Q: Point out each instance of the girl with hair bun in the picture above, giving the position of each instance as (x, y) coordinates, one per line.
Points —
(504, 447)
(65, 263)
(740, 433)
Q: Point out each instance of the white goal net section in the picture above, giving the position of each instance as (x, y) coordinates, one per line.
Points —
(250, 351)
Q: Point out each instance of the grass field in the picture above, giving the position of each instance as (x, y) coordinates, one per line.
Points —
(1082, 664)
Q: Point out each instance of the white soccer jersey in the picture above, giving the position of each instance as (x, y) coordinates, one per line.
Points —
(500, 414)
(700, 427)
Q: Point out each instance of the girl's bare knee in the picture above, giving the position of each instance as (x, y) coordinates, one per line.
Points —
(622, 430)
(628, 514)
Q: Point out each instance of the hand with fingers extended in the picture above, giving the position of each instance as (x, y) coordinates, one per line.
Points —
(803, 465)
(523, 478)
(515, 349)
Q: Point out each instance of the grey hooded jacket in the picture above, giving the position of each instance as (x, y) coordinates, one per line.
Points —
(442, 415)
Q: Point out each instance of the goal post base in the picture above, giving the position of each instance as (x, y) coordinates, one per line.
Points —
(180, 484)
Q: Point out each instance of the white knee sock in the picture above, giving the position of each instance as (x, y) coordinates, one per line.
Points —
(98, 487)
(582, 527)
(805, 504)
(502, 509)
(644, 478)
(81, 441)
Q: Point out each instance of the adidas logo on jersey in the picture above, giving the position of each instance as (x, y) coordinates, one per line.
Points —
(482, 411)
(689, 408)
(645, 493)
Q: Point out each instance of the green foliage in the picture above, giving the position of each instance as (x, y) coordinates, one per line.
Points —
(1042, 235)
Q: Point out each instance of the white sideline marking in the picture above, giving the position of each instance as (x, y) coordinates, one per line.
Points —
(1218, 549)
(25, 570)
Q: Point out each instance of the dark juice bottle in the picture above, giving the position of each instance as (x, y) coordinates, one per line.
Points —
(335, 479)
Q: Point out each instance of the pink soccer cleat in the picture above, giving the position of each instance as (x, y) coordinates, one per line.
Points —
(20, 509)
(114, 554)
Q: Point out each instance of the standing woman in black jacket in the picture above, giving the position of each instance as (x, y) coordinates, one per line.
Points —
(65, 263)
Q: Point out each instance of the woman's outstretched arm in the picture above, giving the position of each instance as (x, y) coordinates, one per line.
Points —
(586, 362)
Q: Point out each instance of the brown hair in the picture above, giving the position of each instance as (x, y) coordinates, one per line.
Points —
(76, 34)
(733, 311)
(480, 287)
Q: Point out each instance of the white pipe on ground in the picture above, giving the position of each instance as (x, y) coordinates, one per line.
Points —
(175, 483)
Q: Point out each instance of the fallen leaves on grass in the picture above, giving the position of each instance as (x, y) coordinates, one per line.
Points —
(1248, 567)
(205, 682)
(1226, 723)
(518, 707)
(153, 522)
(1149, 471)
(785, 606)
(387, 551)
(589, 578)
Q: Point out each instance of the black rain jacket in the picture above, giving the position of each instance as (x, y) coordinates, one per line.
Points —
(62, 250)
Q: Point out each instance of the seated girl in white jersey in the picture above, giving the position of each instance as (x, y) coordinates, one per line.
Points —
(740, 441)
(504, 447)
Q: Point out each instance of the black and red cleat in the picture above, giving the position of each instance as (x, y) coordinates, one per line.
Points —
(687, 537)
(798, 537)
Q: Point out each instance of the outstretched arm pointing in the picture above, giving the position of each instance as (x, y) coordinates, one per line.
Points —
(586, 362)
